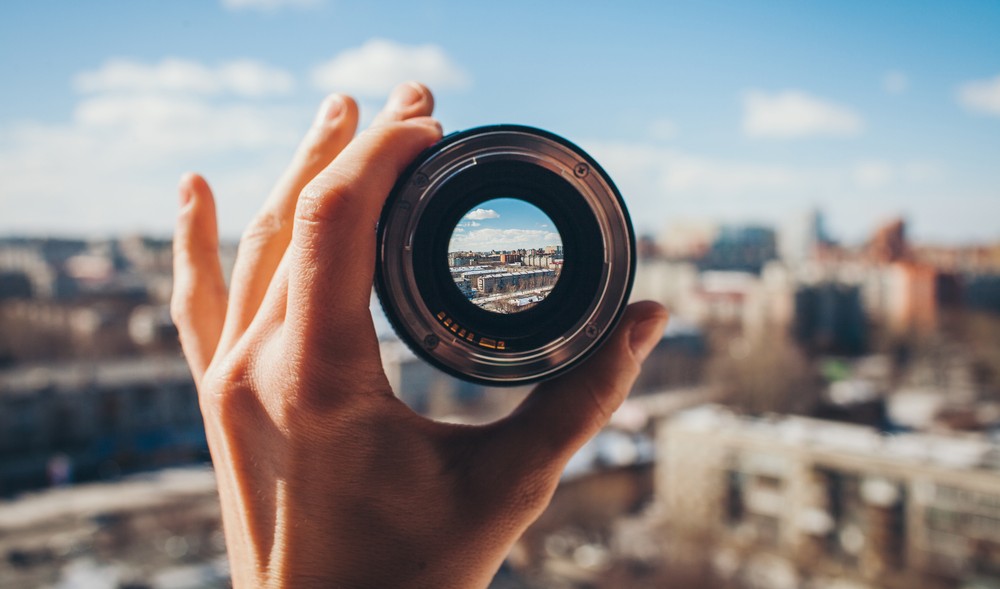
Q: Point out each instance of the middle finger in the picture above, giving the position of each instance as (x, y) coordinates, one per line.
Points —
(264, 242)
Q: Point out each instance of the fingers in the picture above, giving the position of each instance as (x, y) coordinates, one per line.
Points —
(407, 101)
(198, 302)
(264, 242)
(333, 246)
(560, 415)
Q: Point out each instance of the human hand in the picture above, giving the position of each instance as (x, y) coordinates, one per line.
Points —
(326, 479)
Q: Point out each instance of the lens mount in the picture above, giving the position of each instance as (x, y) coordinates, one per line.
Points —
(415, 285)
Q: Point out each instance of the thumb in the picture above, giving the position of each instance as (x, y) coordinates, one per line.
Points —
(562, 414)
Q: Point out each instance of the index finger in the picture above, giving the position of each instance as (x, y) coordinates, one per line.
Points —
(333, 238)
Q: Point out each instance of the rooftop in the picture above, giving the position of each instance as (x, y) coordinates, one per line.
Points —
(967, 451)
(80, 375)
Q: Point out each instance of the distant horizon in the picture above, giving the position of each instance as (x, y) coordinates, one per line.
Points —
(232, 241)
(506, 251)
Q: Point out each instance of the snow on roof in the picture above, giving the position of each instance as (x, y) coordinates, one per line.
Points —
(964, 451)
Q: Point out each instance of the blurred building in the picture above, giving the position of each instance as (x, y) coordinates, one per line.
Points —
(678, 360)
(663, 281)
(913, 296)
(769, 307)
(157, 530)
(743, 248)
(888, 244)
(96, 419)
(687, 240)
(801, 236)
(718, 298)
(830, 319)
(792, 502)
(981, 292)
(15, 284)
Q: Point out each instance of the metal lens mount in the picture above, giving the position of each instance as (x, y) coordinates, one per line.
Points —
(415, 285)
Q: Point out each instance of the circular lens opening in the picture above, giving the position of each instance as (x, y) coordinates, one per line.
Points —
(428, 240)
(505, 255)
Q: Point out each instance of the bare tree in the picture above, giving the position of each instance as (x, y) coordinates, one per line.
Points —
(767, 375)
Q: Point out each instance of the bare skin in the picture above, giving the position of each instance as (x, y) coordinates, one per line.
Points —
(326, 479)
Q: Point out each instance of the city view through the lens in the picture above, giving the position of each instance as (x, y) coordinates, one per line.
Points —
(505, 255)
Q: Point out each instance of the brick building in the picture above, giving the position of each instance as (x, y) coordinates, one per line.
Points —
(820, 501)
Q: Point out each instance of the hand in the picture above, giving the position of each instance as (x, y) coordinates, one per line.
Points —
(326, 478)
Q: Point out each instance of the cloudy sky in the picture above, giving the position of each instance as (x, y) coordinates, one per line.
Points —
(737, 112)
(503, 224)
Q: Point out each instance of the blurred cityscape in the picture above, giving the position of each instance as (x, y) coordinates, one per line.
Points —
(816, 415)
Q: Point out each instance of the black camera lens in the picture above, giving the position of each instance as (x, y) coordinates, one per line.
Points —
(505, 255)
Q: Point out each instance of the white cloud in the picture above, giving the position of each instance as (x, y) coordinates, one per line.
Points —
(480, 214)
(114, 165)
(158, 126)
(503, 239)
(873, 174)
(793, 113)
(877, 174)
(242, 78)
(270, 5)
(895, 82)
(667, 170)
(662, 130)
(375, 67)
(981, 96)
(922, 172)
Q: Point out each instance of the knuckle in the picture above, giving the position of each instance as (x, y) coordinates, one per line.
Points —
(598, 391)
(226, 388)
(178, 310)
(389, 131)
(607, 389)
(325, 202)
(263, 226)
(182, 304)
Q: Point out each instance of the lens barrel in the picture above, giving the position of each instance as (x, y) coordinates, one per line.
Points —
(416, 285)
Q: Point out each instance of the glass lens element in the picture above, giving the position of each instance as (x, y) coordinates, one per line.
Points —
(505, 255)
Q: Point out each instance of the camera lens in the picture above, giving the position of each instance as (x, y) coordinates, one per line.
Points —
(505, 255)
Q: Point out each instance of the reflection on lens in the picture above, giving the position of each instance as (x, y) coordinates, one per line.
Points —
(505, 255)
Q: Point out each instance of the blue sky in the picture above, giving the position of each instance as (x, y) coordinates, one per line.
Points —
(739, 112)
(504, 224)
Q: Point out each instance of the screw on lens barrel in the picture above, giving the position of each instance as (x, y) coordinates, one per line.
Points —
(591, 330)
(421, 180)
(431, 342)
(581, 170)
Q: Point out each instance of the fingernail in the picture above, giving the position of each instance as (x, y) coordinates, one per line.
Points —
(330, 109)
(645, 335)
(184, 192)
(405, 95)
(428, 122)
